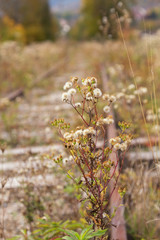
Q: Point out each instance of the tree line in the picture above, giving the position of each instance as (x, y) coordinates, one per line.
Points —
(35, 18)
(34, 21)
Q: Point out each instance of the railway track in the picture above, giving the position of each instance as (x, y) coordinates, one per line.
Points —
(30, 113)
(118, 227)
(21, 165)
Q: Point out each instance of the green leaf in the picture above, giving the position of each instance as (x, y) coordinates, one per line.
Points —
(67, 238)
(73, 234)
(14, 238)
(98, 233)
(85, 232)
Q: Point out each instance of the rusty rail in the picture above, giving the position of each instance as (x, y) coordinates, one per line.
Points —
(13, 95)
(118, 228)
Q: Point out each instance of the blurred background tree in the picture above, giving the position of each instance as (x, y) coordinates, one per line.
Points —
(100, 17)
(10, 30)
(34, 16)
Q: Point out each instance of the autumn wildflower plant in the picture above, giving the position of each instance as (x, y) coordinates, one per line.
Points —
(89, 149)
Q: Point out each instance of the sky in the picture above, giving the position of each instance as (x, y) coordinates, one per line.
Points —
(61, 5)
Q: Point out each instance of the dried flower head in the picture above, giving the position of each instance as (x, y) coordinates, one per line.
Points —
(65, 97)
(74, 80)
(67, 85)
(105, 96)
(72, 91)
(77, 105)
(106, 109)
(97, 93)
(112, 99)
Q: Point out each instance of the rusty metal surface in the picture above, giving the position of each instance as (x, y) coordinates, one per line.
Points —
(118, 228)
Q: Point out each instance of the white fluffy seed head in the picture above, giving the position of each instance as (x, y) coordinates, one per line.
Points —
(94, 82)
(89, 96)
(97, 93)
(112, 10)
(72, 91)
(65, 97)
(112, 99)
(105, 97)
(106, 109)
(65, 161)
(70, 158)
(141, 91)
(112, 141)
(74, 79)
(86, 81)
(108, 120)
(92, 131)
(78, 133)
(85, 132)
(131, 87)
(118, 139)
(88, 131)
(78, 104)
(67, 85)
(123, 147)
(117, 146)
(115, 140)
(68, 135)
(120, 95)
(104, 19)
(120, 4)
